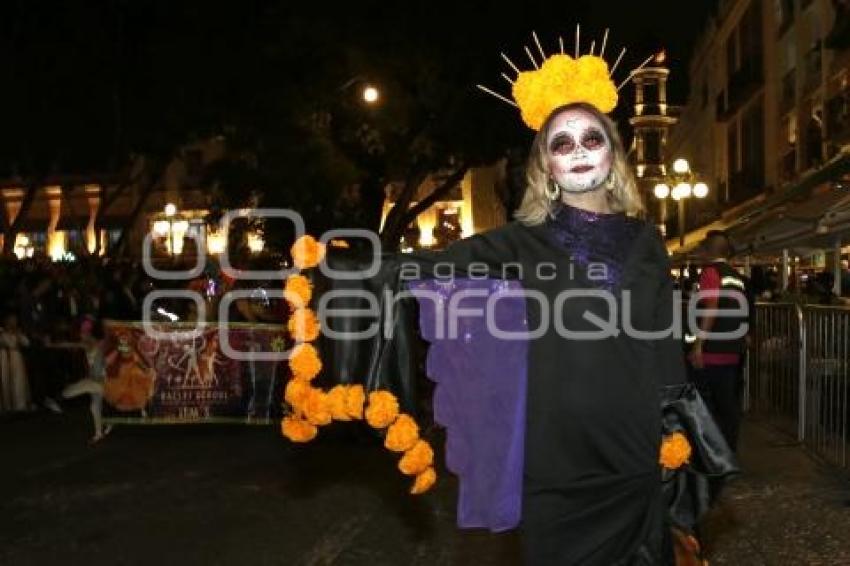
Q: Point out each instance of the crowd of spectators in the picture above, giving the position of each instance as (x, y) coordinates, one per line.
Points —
(44, 305)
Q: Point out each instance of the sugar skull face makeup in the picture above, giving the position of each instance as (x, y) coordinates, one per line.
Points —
(579, 151)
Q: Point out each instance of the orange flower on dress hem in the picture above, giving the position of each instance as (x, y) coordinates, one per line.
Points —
(316, 408)
(417, 459)
(402, 435)
(303, 325)
(307, 252)
(304, 362)
(298, 430)
(382, 409)
(355, 398)
(424, 481)
(298, 290)
(296, 394)
(675, 451)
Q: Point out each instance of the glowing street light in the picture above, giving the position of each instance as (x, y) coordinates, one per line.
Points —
(256, 243)
(662, 191)
(676, 193)
(371, 94)
(681, 166)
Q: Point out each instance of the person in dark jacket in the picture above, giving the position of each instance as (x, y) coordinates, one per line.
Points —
(720, 345)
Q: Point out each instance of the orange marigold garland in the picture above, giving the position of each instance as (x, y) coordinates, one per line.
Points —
(402, 434)
(382, 409)
(675, 451)
(317, 409)
(336, 402)
(307, 252)
(298, 291)
(417, 459)
(296, 394)
(303, 325)
(355, 398)
(298, 430)
(311, 407)
(424, 481)
(304, 362)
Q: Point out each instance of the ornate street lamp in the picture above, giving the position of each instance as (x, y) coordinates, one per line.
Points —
(685, 184)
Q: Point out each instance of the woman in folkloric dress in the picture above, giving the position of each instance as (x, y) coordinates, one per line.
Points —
(13, 372)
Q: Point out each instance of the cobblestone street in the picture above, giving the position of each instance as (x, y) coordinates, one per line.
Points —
(241, 495)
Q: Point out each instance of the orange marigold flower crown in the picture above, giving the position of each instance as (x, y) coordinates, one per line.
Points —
(561, 79)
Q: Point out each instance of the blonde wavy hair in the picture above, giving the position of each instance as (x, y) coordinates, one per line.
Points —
(622, 197)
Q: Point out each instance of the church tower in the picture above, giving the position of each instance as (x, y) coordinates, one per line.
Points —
(651, 124)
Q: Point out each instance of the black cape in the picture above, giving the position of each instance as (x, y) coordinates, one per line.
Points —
(593, 490)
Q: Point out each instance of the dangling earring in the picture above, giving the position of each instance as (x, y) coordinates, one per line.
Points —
(611, 181)
(553, 190)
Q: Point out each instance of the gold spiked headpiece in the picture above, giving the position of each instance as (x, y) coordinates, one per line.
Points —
(561, 79)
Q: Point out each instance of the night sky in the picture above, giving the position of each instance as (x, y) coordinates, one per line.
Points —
(89, 82)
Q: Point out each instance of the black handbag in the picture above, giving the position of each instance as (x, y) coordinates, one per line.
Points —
(690, 489)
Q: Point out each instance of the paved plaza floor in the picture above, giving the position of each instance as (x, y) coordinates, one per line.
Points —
(241, 495)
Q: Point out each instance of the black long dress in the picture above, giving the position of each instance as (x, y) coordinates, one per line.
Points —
(592, 482)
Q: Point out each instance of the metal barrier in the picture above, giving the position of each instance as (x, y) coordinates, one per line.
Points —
(826, 418)
(797, 374)
(775, 362)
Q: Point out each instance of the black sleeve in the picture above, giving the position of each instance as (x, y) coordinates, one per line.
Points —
(389, 360)
(671, 360)
(487, 254)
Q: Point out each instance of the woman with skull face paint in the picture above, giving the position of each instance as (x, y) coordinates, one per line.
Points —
(565, 442)
(590, 480)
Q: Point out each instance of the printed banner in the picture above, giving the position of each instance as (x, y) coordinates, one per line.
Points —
(181, 375)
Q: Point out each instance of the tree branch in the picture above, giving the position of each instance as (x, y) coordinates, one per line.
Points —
(438, 193)
(404, 216)
(152, 182)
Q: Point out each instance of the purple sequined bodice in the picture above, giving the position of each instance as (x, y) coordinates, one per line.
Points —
(593, 237)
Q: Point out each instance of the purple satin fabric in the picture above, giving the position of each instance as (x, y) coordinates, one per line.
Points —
(480, 397)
